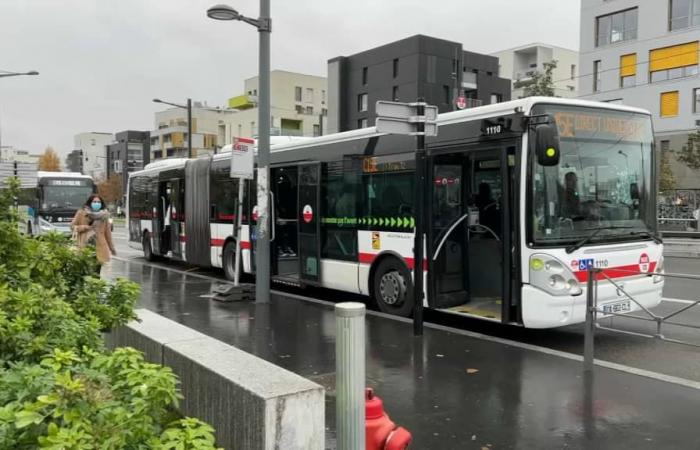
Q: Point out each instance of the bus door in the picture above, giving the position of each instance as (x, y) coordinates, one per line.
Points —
(285, 227)
(309, 219)
(470, 232)
(177, 205)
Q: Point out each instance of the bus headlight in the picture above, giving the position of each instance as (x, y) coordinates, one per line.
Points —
(552, 276)
(659, 269)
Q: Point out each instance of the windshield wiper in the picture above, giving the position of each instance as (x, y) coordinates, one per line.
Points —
(572, 248)
(648, 234)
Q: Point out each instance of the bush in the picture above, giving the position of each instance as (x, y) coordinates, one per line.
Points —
(58, 387)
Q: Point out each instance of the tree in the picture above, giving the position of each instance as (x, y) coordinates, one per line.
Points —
(111, 189)
(49, 161)
(690, 153)
(542, 83)
(667, 180)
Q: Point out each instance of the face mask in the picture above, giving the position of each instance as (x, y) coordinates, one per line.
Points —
(96, 206)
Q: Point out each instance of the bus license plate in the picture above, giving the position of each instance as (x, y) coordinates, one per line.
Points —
(617, 307)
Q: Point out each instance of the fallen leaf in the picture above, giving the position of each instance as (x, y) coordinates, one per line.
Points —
(471, 371)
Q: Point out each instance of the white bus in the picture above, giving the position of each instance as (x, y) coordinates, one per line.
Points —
(523, 197)
(51, 205)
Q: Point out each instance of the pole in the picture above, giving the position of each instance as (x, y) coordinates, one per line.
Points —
(590, 321)
(189, 127)
(350, 375)
(420, 225)
(262, 266)
(237, 231)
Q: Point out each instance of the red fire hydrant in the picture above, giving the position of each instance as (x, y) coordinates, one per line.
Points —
(380, 432)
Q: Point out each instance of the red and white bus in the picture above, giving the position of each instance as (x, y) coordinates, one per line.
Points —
(523, 197)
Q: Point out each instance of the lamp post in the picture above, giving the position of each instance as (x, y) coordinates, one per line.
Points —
(188, 107)
(264, 26)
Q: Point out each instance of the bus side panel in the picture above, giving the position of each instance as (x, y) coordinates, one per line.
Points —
(340, 275)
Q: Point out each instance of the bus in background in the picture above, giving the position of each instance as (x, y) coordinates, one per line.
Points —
(523, 198)
(52, 203)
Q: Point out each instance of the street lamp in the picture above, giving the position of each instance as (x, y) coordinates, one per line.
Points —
(17, 74)
(188, 107)
(264, 26)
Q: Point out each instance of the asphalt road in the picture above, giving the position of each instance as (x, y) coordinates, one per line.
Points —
(635, 351)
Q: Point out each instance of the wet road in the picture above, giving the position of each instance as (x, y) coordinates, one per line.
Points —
(638, 352)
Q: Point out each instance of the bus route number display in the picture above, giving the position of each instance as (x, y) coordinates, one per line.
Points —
(66, 183)
(389, 163)
(600, 126)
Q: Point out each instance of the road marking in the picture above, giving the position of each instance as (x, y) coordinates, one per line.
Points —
(522, 345)
(678, 300)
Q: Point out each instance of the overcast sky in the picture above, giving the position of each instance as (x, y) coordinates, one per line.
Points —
(102, 61)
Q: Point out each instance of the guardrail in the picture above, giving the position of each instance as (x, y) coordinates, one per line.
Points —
(593, 311)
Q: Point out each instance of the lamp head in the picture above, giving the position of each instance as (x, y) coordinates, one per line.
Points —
(33, 72)
(222, 12)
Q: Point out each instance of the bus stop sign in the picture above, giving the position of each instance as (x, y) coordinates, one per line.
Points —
(242, 158)
(403, 118)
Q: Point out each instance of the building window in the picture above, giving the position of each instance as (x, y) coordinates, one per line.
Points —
(362, 102)
(317, 130)
(324, 111)
(455, 66)
(496, 98)
(628, 70)
(596, 76)
(684, 14)
(299, 109)
(297, 93)
(395, 70)
(696, 100)
(616, 27)
(669, 104)
(673, 62)
(362, 123)
(364, 75)
(323, 97)
(395, 93)
(309, 110)
(309, 97)
(573, 71)
(446, 95)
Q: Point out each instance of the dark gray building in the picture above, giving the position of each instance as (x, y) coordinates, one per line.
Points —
(419, 66)
(130, 152)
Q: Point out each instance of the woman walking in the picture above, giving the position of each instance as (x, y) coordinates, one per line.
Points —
(91, 227)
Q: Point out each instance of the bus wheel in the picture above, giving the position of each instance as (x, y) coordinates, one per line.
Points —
(393, 288)
(229, 261)
(147, 249)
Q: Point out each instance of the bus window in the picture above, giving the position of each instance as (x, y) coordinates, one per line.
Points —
(389, 195)
(339, 213)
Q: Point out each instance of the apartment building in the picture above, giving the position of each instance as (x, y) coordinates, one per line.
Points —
(93, 148)
(298, 106)
(130, 151)
(521, 63)
(645, 53)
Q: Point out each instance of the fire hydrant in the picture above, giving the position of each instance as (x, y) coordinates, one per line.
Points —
(380, 432)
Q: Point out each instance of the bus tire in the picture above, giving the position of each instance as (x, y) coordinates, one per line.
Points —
(228, 260)
(147, 248)
(392, 287)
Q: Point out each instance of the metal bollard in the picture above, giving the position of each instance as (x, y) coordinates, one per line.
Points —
(590, 321)
(350, 375)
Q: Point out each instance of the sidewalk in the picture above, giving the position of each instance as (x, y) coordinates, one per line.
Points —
(516, 399)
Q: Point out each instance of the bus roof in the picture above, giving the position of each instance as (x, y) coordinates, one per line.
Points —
(43, 174)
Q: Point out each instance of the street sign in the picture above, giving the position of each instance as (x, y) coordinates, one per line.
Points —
(398, 126)
(404, 118)
(461, 102)
(242, 158)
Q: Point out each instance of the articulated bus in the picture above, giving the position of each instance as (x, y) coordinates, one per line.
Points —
(51, 205)
(522, 198)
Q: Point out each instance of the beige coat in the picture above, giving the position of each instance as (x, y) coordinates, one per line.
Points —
(103, 235)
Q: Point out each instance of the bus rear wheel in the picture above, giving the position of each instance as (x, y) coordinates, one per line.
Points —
(393, 288)
(147, 249)
(229, 260)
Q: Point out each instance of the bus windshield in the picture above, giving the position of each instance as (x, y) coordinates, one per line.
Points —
(62, 197)
(603, 182)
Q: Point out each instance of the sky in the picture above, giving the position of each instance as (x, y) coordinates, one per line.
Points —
(102, 61)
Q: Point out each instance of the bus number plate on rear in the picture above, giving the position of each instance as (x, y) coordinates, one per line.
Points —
(617, 307)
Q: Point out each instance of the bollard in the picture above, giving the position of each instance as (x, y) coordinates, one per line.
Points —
(350, 375)
(590, 321)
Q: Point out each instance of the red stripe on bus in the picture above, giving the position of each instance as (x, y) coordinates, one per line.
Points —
(368, 258)
(220, 243)
(246, 245)
(183, 238)
(617, 272)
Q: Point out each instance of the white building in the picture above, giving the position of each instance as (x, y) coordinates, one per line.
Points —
(11, 154)
(521, 63)
(93, 146)
(298, 106)
(169, 138)
(645, 53)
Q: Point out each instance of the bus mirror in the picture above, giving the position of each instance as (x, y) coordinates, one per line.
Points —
(547, 144)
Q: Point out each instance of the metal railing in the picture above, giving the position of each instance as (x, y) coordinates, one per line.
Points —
(594, 311)
(676, 210)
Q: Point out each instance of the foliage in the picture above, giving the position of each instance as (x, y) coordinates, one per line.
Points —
(542, 83)
(59, 389)
(49, 161)
(111, 189)
(690, 153)
(667, 180)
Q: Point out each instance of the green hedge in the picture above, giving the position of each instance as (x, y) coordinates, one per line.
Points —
(59, 387)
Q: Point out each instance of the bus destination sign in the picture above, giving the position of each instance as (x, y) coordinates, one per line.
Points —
(600, 126)
(389, 163)
(67, 182)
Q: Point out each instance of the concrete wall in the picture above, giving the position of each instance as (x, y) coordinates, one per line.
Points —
(251, 403)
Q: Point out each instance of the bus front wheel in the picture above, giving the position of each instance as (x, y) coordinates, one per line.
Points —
(393, 288)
